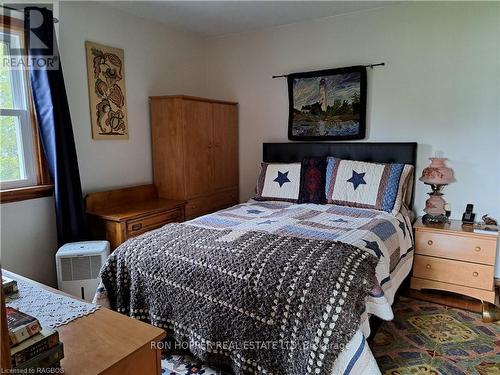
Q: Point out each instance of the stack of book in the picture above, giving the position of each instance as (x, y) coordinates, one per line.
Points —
(31, 346)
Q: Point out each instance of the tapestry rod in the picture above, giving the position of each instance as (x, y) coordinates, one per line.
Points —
(366, 66)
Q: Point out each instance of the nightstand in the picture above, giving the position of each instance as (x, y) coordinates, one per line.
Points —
(117, 215)
(453, 258)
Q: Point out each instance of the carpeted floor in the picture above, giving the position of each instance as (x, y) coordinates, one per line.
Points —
(424, 338)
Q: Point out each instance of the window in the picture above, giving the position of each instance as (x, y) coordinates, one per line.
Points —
(21, 165)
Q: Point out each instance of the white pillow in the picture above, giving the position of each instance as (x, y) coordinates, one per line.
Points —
(279, 182)
(367, 185)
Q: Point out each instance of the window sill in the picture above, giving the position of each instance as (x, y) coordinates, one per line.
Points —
(21, 194)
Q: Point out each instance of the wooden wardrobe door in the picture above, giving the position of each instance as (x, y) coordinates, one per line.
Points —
(225, 151)
(167, 135)
(197, 132)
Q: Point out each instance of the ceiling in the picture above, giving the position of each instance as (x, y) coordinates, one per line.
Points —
(217, 18)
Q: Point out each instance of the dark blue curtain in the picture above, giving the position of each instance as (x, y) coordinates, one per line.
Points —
(54, 122)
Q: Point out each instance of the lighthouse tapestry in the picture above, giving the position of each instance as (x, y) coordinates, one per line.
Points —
(327, 104)
(106, 78)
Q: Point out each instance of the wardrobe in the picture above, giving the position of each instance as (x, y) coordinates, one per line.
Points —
(195, 151)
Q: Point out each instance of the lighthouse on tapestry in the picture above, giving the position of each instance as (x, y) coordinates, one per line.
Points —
(322, 95)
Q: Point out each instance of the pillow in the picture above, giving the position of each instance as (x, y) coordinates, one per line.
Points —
(312, 181)
(368, 185)
(408, 189)
(278, 182)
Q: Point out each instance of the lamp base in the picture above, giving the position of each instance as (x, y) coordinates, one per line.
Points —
(431, 219)
(434, 206)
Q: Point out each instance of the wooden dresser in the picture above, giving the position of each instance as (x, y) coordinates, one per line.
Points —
(453, 258)
(117, 215)
(195, 151)
(104, 342)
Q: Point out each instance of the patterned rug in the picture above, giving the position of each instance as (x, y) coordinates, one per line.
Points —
(424, 338)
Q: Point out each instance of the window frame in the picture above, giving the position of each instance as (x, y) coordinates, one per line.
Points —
(38, 183)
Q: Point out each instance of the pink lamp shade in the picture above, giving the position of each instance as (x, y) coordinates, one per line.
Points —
(437, 173)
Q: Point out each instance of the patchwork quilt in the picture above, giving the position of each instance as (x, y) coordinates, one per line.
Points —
(388, 238)
(260, 303)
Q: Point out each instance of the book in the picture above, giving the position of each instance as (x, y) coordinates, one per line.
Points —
(9, 286)
(46, 339)
(44, 360)
(21, 326)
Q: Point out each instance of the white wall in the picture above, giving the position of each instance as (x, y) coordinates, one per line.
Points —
(440, 86)
(158, 61)
(28, 238)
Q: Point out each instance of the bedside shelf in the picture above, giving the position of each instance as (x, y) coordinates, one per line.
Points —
(455, 259)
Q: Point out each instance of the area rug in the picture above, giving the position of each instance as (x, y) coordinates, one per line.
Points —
(424, 338)
(427, 338)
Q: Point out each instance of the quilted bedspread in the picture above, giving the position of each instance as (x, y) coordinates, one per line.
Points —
(388, 238)
(260, 303)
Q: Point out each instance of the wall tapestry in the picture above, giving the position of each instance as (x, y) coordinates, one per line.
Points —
(327, 104)
(106, 76)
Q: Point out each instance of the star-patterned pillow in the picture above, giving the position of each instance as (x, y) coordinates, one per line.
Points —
(367, 185)
(279, 182)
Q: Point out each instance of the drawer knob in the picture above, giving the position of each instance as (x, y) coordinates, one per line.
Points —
(477, 248)
(475, 274)
(428, 266)
(137, 226)
(429, 242)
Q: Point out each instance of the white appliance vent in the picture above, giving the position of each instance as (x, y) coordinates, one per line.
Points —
(78, 267)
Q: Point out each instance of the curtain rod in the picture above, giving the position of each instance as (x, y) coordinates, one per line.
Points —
(366, 66)
(21, 11)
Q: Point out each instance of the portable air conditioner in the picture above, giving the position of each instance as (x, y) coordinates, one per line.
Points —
(78, 265)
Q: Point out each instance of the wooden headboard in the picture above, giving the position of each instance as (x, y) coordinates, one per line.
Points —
(378, 152)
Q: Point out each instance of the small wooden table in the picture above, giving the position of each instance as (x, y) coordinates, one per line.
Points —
(453, 258)
(107, 342)
(117, 215)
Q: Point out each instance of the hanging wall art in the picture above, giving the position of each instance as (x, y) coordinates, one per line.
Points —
(106, 79)
(327, 104)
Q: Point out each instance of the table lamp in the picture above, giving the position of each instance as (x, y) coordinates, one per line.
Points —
(437, 175)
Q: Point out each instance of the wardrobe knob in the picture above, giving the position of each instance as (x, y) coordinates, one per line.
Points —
(475, 274)
(429, 242)
(477, 248)
(428, 266)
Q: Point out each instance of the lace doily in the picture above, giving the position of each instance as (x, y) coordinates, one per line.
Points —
(51, 309)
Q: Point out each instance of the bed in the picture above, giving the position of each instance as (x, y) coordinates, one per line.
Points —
(237, 296)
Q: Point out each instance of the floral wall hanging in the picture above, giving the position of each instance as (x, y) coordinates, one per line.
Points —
(106, 79)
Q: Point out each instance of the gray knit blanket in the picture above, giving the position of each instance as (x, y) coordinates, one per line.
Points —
(257, 303)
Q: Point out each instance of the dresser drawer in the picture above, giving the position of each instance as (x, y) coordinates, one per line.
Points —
(454, 272)
(467, 248)
(150, 222)
(210, 203)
